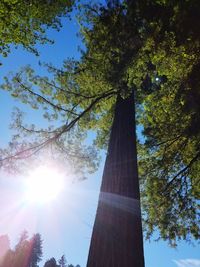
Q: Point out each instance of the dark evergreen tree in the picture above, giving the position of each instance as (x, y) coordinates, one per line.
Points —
(63, 262)
(36, 250)
(51, 263)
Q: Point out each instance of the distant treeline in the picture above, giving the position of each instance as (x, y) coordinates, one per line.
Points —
(27, 253)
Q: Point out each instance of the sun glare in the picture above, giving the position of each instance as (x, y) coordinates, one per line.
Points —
(43, 185)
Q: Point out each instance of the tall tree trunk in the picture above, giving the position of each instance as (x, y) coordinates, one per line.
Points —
(117, 234)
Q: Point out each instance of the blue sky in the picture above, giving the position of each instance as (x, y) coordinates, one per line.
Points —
(65, 224)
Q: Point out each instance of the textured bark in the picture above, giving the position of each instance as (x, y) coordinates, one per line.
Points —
(117, 234)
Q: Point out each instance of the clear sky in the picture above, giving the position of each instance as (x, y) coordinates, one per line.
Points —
(65, 223)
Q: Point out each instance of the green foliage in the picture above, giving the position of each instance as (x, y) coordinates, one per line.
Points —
(25, 22)
(151, 47)
(169, 162)
(62, 114)
(169, 158)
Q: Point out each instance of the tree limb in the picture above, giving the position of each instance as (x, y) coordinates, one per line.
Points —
(63, 129)
(182, 171)
(44, 99)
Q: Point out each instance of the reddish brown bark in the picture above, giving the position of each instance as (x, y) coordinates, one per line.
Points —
(117, 233)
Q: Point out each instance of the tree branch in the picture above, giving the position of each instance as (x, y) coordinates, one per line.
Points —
(172, 140)
(63, 129)
(182, 171)
(44, 99)
(70, 92)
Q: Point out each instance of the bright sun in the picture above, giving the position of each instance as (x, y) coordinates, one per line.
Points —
(44, 185)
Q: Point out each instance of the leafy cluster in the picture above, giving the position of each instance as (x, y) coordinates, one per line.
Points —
(25, 22)
(169, 113)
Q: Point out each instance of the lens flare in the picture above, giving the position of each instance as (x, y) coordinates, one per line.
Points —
(43, 185)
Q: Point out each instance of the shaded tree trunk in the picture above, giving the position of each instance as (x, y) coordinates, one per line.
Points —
(117, 234)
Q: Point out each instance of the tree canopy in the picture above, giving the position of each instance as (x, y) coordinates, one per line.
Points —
(149, 47)
(25, 22)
